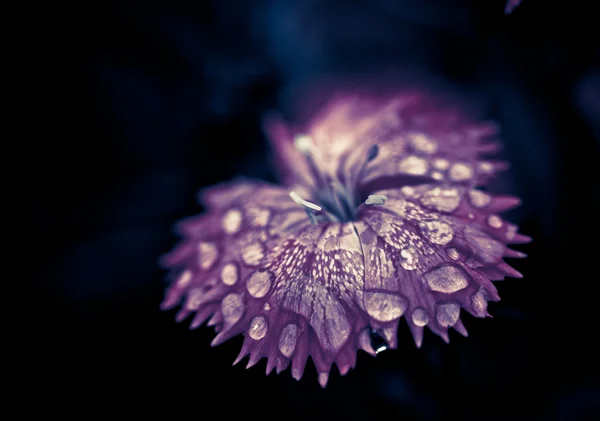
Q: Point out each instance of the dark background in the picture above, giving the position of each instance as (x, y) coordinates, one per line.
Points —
(168, 97)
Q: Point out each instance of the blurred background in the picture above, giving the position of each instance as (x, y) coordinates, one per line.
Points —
(168, 98)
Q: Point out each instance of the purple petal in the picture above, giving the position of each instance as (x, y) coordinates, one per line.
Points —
(416, 136)
(430, 251)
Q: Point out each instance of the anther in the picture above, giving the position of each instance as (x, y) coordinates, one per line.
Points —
(303, 143)
(376, 199)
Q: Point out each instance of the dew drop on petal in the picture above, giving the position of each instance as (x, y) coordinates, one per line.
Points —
(413, 165)
(494, 221)
(436, 231)
(486, 167)
(252, 254)
(229, 274)
(408, 191)
(231, 221)
(184, 279)
(460, 172)
(384, 307)
(259, 283)
(441, 164)
(207, 254)
(441, 199)
(377, 342)
(447, 278)
(420, 317)
(258, 328)
(447, 314)
(287, 340)
(423, 143)
(232, 308)
(479, 199)
(409, 258)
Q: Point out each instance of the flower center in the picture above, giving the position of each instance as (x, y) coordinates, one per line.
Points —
(337, 200)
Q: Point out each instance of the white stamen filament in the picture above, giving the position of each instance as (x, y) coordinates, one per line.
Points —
(303, 202)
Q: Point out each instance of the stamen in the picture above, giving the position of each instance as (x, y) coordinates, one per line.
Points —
(351, 182)
(376, 199)
(311, 215)
(342, 200)
(373, 152)
(303, 202)
(303, 143)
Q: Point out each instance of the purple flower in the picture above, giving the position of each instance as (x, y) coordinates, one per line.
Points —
(379, 216)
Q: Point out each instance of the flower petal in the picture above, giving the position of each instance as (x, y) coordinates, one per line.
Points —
(416, 136)
(254, 264)
(430, 251)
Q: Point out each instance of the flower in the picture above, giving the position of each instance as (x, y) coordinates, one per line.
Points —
(380, 216)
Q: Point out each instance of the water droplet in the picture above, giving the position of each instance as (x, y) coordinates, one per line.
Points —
(259, 283)
(384, 307)
(423, 143)
(479, 199)
(184, 279)
(441, 163)
(460, 172)
(377, 342)
(437, 175)
(207, 255)
(252, 254)
(287, 340)
(413, 165)
(447, 278)
(441, 199)
(232, 308)
(436, 231)
(231, 221)
(229, 274)
(409, 258)
(486, 167)
(494, 221)
(447, 314)
(408, 191)
(420, 317)
(258, 328)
